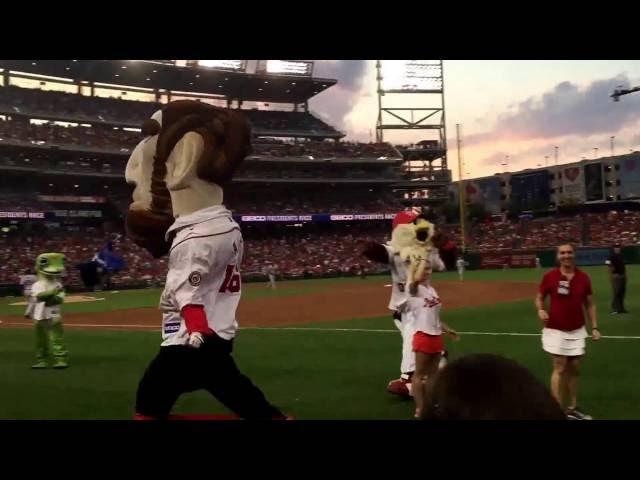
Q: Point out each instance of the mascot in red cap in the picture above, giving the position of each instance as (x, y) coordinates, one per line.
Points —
(413, 245)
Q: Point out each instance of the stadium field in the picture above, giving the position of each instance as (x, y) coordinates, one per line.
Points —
(332, 363)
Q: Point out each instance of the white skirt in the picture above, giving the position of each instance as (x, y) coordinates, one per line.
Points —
(568, 344)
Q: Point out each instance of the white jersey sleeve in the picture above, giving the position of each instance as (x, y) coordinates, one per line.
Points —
(190, 264)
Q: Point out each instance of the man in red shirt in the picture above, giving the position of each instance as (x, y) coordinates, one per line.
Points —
(564, 333)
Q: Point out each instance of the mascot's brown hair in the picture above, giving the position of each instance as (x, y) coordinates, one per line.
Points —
(227, 141)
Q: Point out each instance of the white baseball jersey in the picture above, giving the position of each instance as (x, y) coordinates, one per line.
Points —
(204, 269)
(437, 265)
(27, 282)
(40, 310)
(460, 264)
(422, 311)
(399, 273)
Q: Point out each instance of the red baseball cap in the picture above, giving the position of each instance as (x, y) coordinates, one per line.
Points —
(406, 216)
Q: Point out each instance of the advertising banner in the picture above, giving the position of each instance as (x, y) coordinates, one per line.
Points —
(530, 191)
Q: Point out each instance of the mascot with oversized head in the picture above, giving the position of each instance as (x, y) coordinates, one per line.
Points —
(47, 295)
(412, 249)
(189, 154)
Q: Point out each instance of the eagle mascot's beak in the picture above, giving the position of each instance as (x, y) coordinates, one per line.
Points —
(424, 231)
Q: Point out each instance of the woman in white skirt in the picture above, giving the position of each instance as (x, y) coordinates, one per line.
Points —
(564, 332)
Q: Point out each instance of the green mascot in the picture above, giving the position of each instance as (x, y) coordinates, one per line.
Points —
(48, 294)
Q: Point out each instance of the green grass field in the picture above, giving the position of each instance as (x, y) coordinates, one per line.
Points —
(338, 371)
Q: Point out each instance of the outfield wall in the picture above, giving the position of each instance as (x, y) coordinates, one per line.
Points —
(585, 256)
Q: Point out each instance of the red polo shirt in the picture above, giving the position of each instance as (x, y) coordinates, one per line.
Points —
(566, 312)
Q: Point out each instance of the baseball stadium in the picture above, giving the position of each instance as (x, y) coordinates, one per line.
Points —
(319, 340)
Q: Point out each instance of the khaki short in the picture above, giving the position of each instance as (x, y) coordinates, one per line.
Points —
(568, 344)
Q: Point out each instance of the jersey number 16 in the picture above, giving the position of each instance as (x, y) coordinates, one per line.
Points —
(231, 283)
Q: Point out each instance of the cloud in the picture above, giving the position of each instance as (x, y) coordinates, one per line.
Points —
(337, 102)
(565, 110)
(571, 148)
(494, 160)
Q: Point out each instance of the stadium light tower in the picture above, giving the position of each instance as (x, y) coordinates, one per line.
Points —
(421, 111)
(618, 92)
(424, 80)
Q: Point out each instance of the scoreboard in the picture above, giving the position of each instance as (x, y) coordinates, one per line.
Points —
(298, 68)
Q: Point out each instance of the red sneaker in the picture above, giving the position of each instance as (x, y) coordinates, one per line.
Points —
(400, 387)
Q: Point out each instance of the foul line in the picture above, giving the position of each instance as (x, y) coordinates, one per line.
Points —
(305, 329)
(497, 334)
(87, 325)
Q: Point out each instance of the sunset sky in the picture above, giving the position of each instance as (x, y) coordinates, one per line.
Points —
(518, 108)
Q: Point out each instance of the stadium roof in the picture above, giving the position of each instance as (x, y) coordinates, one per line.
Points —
(154, 74)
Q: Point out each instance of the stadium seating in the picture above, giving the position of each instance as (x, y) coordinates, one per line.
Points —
(73, 106)
(296, 254)
(317, 255)
(99, 136)
(70, 107)
(16, 201)
(605, 229)
(118, 140)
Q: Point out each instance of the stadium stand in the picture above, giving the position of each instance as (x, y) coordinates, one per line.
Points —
(293, 254)
(26, 102)
(117, 139)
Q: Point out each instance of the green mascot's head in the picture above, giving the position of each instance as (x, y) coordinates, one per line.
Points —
(50, 264)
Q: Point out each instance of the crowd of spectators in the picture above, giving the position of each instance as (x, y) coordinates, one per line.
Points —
(19, 251)
(19, 202)
(495, 236)
(596, 230)
(61, 162)
(295, 256)
(22, 103)
(74, 106)
(326, 149)
(94, 137)
(541, 233)
(324, 171)
(300, 253)
(71, 106)
(623, 227)
(310, 255)
(527, 234)
(119, 140)
(93, 162)
(275, 120)
(241, 203)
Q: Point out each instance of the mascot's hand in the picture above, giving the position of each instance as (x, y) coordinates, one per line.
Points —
(196, 339)
(195, 320)
(55, 300)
